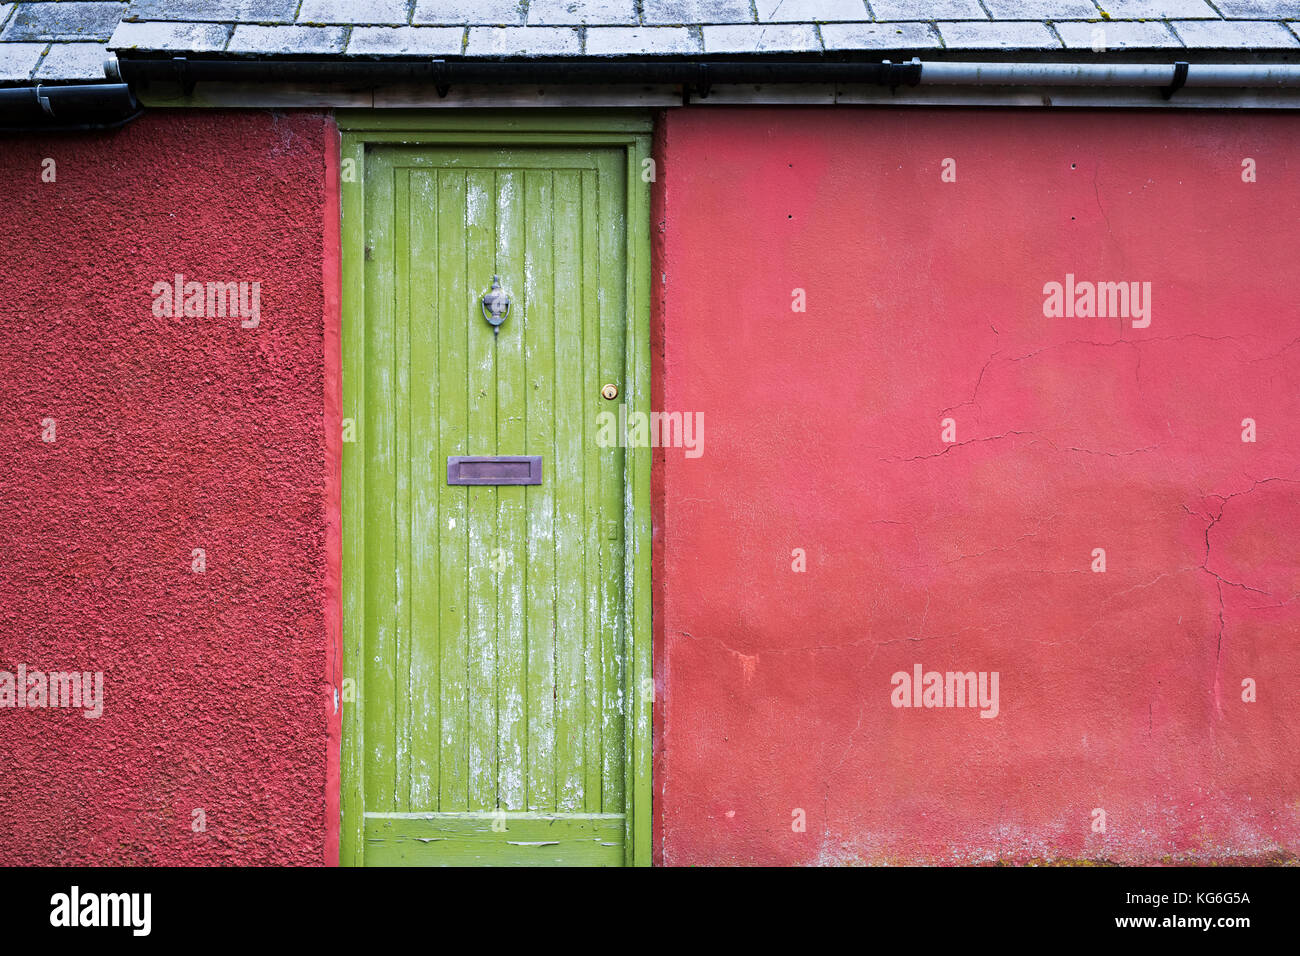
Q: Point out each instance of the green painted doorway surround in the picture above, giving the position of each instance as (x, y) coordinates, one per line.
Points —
(496, 638)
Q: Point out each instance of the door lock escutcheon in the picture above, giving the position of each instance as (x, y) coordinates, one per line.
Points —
(609, 392)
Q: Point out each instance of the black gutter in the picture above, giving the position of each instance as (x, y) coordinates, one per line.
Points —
(442, 74)
(50, 109)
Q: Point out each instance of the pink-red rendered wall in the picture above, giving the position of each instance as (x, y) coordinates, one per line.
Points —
(171, 434)
(1119, 691)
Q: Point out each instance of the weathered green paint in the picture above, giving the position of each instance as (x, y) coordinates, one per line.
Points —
(498, 636)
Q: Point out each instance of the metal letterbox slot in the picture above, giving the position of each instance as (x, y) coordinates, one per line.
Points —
(494, 469)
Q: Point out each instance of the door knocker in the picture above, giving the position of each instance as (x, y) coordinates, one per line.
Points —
(496, 305)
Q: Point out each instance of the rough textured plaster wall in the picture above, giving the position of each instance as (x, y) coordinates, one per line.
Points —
(1119, 691)
(172, 434)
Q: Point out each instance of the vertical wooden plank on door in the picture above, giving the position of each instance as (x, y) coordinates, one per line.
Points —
(480, 255)
(592, 665)
(402, 486)
(570, 703)
(512, 518)
(453, 529)
(426, 478)
(377, 434)
(608, 226)
(539, 359)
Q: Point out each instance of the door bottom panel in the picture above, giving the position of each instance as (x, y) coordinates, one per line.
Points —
(491, 839)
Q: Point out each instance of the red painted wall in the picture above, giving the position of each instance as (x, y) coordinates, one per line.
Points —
(171, 434)
(1119, 691)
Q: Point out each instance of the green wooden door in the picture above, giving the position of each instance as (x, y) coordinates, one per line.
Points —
(494, 679)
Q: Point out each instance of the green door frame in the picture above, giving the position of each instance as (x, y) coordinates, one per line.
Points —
(629, 131)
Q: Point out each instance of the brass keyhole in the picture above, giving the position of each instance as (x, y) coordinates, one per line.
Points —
(609, 392)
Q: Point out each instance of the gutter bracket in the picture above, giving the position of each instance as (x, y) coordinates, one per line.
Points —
(911, 71)
(702, 83)
(440, 82)
(1180, 79)
(181, 66)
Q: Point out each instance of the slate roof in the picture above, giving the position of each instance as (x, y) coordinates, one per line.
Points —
(53, 41)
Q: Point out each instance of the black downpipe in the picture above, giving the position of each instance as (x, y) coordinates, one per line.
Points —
(48, 109)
